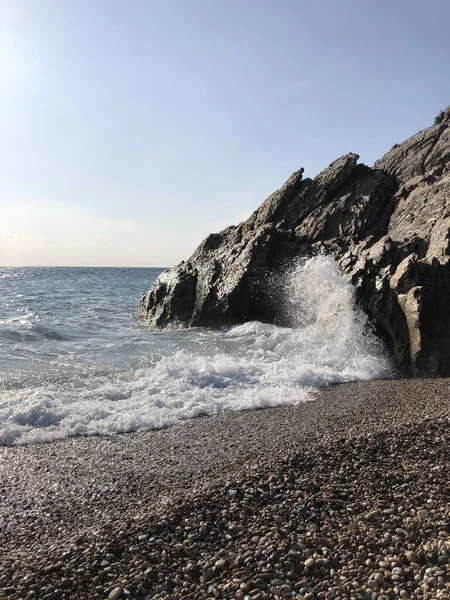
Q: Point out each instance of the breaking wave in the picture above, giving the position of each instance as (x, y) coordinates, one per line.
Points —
(250, 366)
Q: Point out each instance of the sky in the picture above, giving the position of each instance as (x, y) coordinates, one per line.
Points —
(131, 130)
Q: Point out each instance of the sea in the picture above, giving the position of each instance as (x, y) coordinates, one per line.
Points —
(78, 359)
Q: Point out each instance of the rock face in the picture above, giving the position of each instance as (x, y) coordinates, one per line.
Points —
(388, 226)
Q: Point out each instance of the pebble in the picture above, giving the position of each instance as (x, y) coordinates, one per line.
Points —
(412, 556)
(115, 594)
(221, 563)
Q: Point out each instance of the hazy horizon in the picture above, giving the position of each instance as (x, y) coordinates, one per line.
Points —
(83, 267)
(132, 131)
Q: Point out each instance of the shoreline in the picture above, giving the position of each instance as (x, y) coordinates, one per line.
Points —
(75, 501)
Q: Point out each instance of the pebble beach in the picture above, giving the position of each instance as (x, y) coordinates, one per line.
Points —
(343, 497)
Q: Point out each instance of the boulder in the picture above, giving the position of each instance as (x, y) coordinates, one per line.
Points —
(388, 226)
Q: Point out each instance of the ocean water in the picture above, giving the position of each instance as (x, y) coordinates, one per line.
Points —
(76, 358)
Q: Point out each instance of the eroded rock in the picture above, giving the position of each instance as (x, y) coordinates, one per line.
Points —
(388, 226)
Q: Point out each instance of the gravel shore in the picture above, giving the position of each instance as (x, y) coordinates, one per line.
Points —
(347, 496)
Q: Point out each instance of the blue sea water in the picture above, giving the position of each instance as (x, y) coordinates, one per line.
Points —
(77, 358)
(61, 321)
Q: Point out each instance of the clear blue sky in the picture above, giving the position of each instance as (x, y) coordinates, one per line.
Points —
(130, 130)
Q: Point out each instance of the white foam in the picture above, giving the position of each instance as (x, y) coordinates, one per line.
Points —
(25, 319)
(250, 366)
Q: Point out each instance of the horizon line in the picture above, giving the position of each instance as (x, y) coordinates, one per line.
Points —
(78, 267)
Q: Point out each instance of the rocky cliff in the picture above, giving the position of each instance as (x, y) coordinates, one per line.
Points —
(388, 226)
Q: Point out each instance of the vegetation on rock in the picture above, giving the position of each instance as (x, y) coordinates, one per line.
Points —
(439, 118)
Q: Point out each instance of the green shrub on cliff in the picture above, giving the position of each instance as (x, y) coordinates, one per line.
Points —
(439, 118)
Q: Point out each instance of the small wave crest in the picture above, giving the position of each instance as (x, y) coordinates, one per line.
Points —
(22, 320)
(49, 333)
(27, 329)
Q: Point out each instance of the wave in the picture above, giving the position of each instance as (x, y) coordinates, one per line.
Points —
(49, 333)
(27, 326)
(250, 366)
(25, 320)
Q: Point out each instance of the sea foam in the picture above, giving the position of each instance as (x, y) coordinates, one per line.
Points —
(250, 366)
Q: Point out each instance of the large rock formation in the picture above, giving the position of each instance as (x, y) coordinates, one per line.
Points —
(388, 226)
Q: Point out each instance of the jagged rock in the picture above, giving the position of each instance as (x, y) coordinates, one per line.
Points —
(389, 227)
(359, 208)
(423, 291)
(420, 153)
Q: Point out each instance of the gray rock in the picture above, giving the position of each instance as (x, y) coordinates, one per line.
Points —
(221, 563)
(388, 226)
(115, 594)
(420, 153)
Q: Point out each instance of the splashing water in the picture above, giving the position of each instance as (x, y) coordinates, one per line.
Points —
(158, 378)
